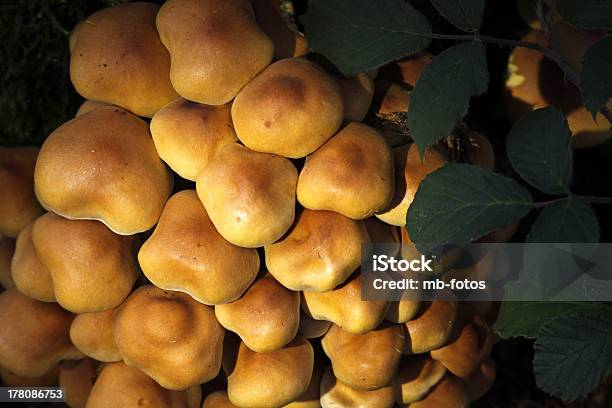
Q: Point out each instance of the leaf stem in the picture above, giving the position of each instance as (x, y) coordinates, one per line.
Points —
(590, 199)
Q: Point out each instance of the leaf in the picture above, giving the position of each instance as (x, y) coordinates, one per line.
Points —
(466, 15)
(461, 202)
(590, 14)
(540, 150)
(568, 220)
(442, 93)
(364, 34)
(573, 354)
(596, 75)
(526, 318)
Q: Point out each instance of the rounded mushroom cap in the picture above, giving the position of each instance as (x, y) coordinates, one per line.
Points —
(311, 328)
(217, 399)
(100, 271)
(344, 307)
(215, 46)
(187, 254)
(385, 234)
(481, 380)
(7, 249)
(319, 252)
(402, 311)
(407, 70)
(269, 379)
(170, 336)
(266, 317)
(18, 206)
(119, 385)
(390, 98)
(117, 58)
(88, 106)
(187, 134)
(410, 171)
(357, 93)
(311, 397)
(92, 333)
(49, 379)
(77, 380)
(351, 174)
(249, 208)
(290, 109)
(432, 327)
(449, 392)
(31, 276)
(416, 375)
(33, 335)
(335, 393)
(103, 165)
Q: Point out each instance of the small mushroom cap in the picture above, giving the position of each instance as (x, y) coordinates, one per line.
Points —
(49, 379)
(174, 339)
(122, 386)
(18, 206)
(344, 307)
(410, 171)
(7, 249)
(92, 333)
(31, 276)
(335, 393)
(117, 58)
(215, 46)
(88, 106)
(77, 380)
(218, 399)
(101, 269)
(449, 392)
(249, 208)
(402, 311)
(187, 134)
(103, 165)
(33, 335)
(481, 380)
(351, 174)
(290, 109)
(319, 252)
(311, 397)
(312, 328)
(187, 254)
(416, 375)
(364, 361)
(266, 317)
(407, 70)
(383, 233)
(431, 328)
(390, 98)
(357, 93)
(269, 379)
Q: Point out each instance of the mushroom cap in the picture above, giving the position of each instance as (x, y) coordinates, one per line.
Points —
(344, 307)
(92, 333)
(33, 335)
(77, 380)
(119, 385)
(217, 399)
(187, 254)
(364, 361)
(215, 46)
(31, 276)
(18, 206)
(88, 106)
(311, 397)
(410, 171)
(335, 393)
(49, 379)
(431, 328)
(290, 109)
(269, 379)
(103, 165)
(351, 174)
(385, 234)
(187, 134)
(174, 339)
(312, 328)
(481, 380)
(416, 375)
(7, 249)
(249, 208)
(390, 98)
(101, 269)
(407, 70)
(357, 93)
(449, 392)
(320, 251)
(266, 317)
(401, 311)
(117, 58)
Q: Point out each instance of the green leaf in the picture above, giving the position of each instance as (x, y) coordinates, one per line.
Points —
(540, 150)
(364, 34)
(526, 318)
(466, 15)
(568, 220)
(573, 354)
(596, 75)
(590, 14)
(461, 202)
(442, 93)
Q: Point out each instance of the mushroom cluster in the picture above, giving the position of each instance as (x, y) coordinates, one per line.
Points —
(193, 236)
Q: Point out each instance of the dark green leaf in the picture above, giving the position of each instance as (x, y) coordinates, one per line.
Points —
(573, 354)
(540, 150)
(596, 75)
(464, 14)
(569, 220)
(590, 14)
(461, 202)
(361, 35)
(442, 93)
